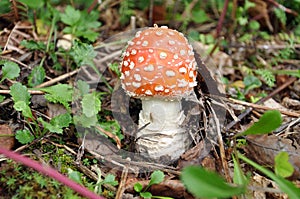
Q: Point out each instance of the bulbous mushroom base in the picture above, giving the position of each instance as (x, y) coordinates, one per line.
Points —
(161, 138)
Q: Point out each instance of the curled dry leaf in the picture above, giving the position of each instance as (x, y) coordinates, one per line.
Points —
(264, 148)
(7, 138)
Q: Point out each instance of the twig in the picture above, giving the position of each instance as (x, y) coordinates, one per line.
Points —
(58, 79)
(9, 36)
(257, 106)
(122, 183)
(262, 100)
(112, 136)
(221, 146)
(32, 92)
(15, 60)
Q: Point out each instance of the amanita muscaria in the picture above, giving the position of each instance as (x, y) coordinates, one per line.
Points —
(159, 68)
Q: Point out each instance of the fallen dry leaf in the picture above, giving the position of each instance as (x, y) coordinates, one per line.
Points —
(7, 138)
(264, 148)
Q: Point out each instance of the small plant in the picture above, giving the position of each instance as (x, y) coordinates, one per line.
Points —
(207, 184)
(10, 70)
(155, 178)
(80, 23)
(109, 180)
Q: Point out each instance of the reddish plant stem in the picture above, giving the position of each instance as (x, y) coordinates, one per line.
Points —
(287, 10)
(46, 170)
(221, 19)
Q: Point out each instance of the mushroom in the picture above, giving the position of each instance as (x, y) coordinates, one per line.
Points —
(159, 67)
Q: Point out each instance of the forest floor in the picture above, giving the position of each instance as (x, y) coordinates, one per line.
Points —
(61, 103)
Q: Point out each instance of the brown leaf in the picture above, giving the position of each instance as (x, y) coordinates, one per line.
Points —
(264, 148)
(7, 139)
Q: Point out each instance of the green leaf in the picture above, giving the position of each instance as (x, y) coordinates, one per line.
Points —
(24, 108)
(85, 121)
(146, 194)
(10, 70)
(206, 184)
(57, 123)
(254, 25)
(110, 179)
(2, 98)
(248, 4)
(282, 166)
(83, 54)
(24, 136)
(251, 82)
(75, 176)
(267, 76)
(238, 176)
(71, 16)
(33, 45)
(286, 186)
(34, 4)
(268, 122)
(138, 187)
(83, 87)
(295, 73)
(91, 104)
(199, 16)
(60, 93)
(280, 14)
(156, 177)
(19, 93)
(36, 76)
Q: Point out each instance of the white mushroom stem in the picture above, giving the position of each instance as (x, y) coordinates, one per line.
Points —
(161, 136)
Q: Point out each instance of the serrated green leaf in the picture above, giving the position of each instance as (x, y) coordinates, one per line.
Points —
(83, 53)
(267, 76)
(156, 177)
(57, 123)
(138, 187)
(71, 16)
(83, 87)
(24, 108)
(36, 76)
(267, 123)
(206, 184)
(33, 45)
(85, 121)
(91, 104)
(282, 166)
(62, 120)
(24, 136)
(10, 70)
(60, 93)
(19, 93)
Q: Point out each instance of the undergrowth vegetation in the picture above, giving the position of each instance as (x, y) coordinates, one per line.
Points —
(45, 40)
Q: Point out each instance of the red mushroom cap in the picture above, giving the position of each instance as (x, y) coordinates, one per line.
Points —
(158, 62)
